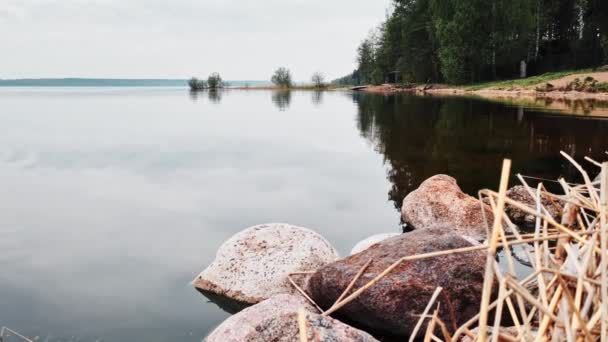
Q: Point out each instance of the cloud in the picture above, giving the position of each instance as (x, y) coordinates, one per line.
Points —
(155, 38)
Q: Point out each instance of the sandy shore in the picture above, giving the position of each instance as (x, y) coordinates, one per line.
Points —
(522, 92)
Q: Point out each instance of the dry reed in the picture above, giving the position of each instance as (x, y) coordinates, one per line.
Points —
(565, 295)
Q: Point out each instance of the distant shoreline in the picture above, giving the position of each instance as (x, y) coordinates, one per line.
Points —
(110, 82)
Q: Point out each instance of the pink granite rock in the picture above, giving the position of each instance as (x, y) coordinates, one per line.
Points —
(439, 201)
(276, 319)
(253, 265)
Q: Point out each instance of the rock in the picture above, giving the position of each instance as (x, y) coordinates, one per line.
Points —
(391, 306)
(520, 194)
(276, 319)
(366, 243)
(440, 202)
(253, 265)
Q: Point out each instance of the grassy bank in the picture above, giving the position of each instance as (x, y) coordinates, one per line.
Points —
(526, 82)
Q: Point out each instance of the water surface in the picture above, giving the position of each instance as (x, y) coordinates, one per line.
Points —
(115, 198)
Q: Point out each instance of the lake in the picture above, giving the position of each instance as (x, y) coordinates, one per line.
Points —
(114, 199)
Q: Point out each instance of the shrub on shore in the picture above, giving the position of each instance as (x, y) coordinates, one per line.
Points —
(282, 78)
(214, 81)
(196, 84)
(318, 80)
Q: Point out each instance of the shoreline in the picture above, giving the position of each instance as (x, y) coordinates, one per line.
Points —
(487, 93)
(573, 86)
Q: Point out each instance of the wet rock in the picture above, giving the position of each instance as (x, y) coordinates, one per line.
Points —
(366, 243)
(440, 201)
(253, 265)
(520, 194)
(276, 319)
(391, 306)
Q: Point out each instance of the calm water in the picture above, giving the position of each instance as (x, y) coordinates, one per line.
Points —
(114, 199)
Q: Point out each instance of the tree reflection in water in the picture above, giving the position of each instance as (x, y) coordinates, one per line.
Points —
(317, 97)
(467, 139)
(281, 99)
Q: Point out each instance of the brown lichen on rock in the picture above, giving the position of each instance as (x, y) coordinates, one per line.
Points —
(392, 305)
(519, 194)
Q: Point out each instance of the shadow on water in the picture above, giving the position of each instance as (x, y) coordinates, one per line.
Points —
(281, 99)
(213, 95)
(228, 305)
(466, 138)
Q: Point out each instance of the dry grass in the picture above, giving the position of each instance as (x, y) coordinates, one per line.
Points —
(566, 295)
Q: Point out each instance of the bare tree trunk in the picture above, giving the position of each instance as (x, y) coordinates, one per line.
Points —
(494, 39)
(537, 47)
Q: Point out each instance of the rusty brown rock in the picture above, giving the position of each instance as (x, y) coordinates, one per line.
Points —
(440, 201)
(392, 306)
(519, 193)
(276, 319)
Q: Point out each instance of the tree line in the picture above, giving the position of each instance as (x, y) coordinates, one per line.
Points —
(280, 78)
(465, 41)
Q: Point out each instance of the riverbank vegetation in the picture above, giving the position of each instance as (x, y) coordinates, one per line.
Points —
(282, 78)
(468, 41)
(525, 82)
(214, 81)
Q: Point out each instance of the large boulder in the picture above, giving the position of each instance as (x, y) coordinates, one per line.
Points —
(276, 319)
(440, 201)
(370, 241)
(253, 265)
(392, 306)
(519, 193)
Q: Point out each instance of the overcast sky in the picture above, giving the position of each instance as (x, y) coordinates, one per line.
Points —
(241, 39)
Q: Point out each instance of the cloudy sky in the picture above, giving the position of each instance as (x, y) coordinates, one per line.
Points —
(241, 39)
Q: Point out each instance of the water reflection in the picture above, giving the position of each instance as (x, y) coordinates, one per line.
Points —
(214, 95)
(420, 137)
(582, 106)
(193, 95)
(281, 99)
(317, 97)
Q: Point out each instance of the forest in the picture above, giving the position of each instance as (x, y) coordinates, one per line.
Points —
(467, 41)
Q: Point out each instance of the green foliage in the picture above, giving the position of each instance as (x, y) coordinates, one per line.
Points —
(602, 87)
(588, 85)
(525, 82)
(348, 80)
(214, 81)
(196, 84)
(465, 41)
(366, 59)
(282, 78)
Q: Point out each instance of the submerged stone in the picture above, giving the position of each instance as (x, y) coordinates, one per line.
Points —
(370, 241)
